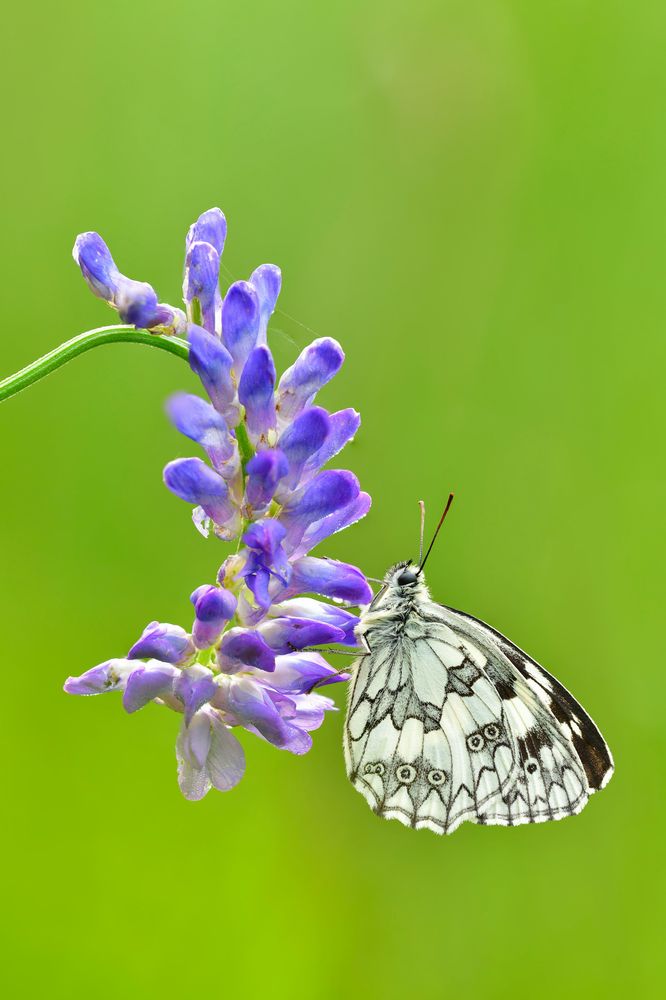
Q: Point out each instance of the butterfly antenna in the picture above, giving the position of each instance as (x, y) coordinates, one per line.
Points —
(422, 506)
(441, 522)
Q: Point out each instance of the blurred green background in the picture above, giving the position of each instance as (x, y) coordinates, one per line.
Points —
(471, 197)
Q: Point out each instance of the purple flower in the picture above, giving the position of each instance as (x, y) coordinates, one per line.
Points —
(108, 676)
(264, 472)
(147, 682)
(194, 688)
(135, 301)
(330, 579)
(328, 493)
(281, 719)
(265, 559)
(307, 609)
(300, 441)
(248, 662)
(297, 673)
(286, 635)
(211, 361)
(202, 268)
(240, 322)
(314, 367)
(208, 755)
(192, 480)
(203, 249)
(213, 607)
(256, 391)
(170, 643)
(201, 422)
(343, 425)
(210, 227)
(266, 281)
(244, 649)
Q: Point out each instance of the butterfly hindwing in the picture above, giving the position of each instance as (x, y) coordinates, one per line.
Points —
(576, 725)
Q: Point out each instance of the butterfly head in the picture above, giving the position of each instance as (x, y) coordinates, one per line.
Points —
(406, 579)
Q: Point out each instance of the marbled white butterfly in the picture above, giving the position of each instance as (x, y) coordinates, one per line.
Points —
(448, 720)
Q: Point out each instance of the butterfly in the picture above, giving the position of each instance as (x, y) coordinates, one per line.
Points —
(448, 720)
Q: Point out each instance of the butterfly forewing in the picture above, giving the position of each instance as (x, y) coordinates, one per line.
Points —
(448, 721)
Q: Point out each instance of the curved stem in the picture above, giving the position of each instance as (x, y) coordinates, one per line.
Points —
(85, 342)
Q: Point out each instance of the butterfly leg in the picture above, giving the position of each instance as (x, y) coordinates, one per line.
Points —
(329, 649)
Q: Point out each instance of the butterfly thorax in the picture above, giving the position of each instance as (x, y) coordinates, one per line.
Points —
(395, 607)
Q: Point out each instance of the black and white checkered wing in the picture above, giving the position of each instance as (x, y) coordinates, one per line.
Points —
(523, 681)
(447, 721)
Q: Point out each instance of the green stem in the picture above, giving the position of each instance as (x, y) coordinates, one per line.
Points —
(244, 446)
(85, 342)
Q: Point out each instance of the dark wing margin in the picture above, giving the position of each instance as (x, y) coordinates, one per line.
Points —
(587, 741)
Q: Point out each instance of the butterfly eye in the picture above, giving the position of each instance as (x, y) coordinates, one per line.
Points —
(531, 766)
(406, 577)
(380, 769)
(369, 768)
(491, 732)
(405, 773)
(436, 778)
(475, 741)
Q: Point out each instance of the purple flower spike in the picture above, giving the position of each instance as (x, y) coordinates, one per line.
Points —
(266, 281)
(211, 361)
(313, 368)
(169, 643)
(343, 426)
(199, 421)
(194, 687)
(247, 661)
(208, 755)
(211, 227)
(213, 607)
(264, 472)
(327, 493)
(192, 480)
(135, 301)
(330, 579)
(147, 682)
(108, 676)
(256, 392)
(240, 322)
(202, 271)
(284, 635)
(301, 440)
(242, 649)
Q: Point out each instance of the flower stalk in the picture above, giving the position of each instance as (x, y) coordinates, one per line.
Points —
(82, 343)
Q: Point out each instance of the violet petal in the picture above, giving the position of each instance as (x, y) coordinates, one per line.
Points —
(313, 368)
(147, 682)
(161, 641)
(240, 322)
